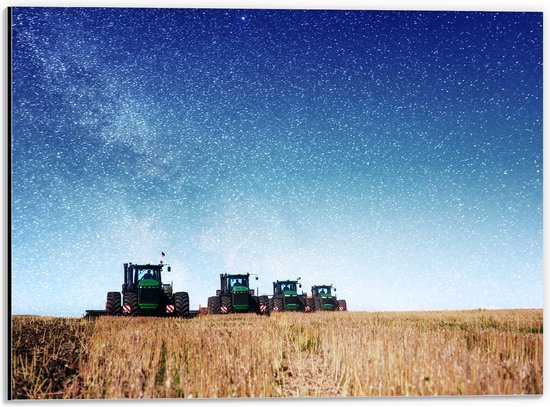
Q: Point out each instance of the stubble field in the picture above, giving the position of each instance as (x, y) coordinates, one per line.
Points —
(285, 355)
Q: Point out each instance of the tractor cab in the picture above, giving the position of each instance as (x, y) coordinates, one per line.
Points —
(288, 287)
(140, 275)
(148, 273)
(232, 283)
(324, 291)
(237, 283)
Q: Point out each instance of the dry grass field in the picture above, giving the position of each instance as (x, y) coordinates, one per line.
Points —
(285, 355)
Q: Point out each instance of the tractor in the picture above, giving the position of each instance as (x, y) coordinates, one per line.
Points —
(286, 297)
(143, 293)
(323, 298)
(235, 296)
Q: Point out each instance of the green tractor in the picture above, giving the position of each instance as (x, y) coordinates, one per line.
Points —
(143, 293)
(323, 298)
(235, 296)
(286, 297)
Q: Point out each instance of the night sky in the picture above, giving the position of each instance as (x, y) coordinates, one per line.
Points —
(397, 155)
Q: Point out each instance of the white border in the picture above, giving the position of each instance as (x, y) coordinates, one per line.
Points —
(464, 5)
(470, 5)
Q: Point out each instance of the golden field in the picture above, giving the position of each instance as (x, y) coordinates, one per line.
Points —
(497, 352)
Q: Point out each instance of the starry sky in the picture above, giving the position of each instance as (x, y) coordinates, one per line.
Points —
(396, 155)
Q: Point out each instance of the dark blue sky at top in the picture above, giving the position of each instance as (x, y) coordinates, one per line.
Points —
(397, 155)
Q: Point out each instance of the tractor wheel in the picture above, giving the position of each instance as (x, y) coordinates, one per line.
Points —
(278, 305)
(113, 305)
(226, 307)
(181, 302)
(264, 304)
(302, 304)
(270, 305)
(310, 305)
(254, 305)
(317, 304)
(342, 306)
(214, 304)
(131, 304)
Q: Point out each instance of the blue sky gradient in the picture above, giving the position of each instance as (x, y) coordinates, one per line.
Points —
(397, 155)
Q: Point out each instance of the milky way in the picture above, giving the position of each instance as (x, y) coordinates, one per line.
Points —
(397, 155)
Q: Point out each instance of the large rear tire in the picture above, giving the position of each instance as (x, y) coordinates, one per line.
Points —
(113, 305)
(226, 307)
(302, 303)
(278, 305)
(317, 304)
(342, 306)
(214, 304)
(131, 304)
(264, 304)
(181, 302)
(310, 305)
(254, 305)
